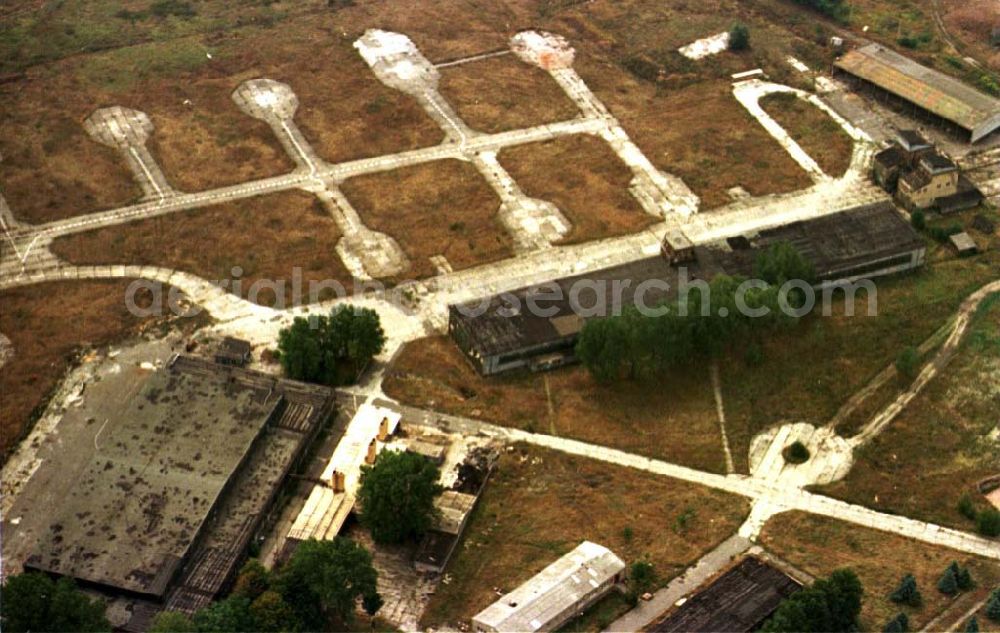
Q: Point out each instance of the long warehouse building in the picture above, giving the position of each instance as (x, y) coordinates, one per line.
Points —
(945, 97)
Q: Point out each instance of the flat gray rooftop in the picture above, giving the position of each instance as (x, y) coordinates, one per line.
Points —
(157, 472)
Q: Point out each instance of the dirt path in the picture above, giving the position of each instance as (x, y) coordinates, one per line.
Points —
(960, 325)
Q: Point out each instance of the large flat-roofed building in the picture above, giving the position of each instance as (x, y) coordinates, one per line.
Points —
(932, 91)
(556, 594)
(738, 601)
(537, 327)
(181, 478)
(861, 243)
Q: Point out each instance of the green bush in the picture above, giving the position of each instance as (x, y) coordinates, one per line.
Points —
(907, 592)
(941, 234)
(918, 219)
(988, 522)
(642, 68)
(739, 37)
(330, 350)
(899, 624)
(836, 9)
(966, 507)
(908, 362)
(796, 453)
(993, 606)
(641, 576)
(179, 8)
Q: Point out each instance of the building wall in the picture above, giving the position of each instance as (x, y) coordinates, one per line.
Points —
(941, 185)
(571, 611)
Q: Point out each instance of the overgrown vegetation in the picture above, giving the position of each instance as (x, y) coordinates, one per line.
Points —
(836, 9)
(315, 590)
(701, 323)
(830, 604)
(330, 350)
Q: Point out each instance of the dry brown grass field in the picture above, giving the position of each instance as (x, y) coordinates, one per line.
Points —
(539, 504)
(504, 93)
(819, 545)
(46, 324)
(180, 69)
(819, 135)
(675, 421)
(955, 414)
(267, 237)
(441, 208)
(585, 179)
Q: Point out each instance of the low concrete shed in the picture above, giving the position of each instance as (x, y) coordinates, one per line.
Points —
(556, 594)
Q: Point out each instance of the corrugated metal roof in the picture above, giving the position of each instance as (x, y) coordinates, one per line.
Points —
(325, 511)
(934, 91)
(535, 605)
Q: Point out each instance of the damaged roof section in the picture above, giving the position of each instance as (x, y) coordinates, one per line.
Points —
(153, 482)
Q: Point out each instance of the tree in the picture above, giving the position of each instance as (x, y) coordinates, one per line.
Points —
(988, 522)
(172, 622)
(908, 362)
(327, 577)
(993, 606)
(332, 349)
(34, 602)
(907, 592)
(271, 614)
(253, 580)
(899, 624)
(602, 347)
(225, 616)
(964, 579)
(972, 626)
(918, 220)
(831, 605)
(948, 584)
(783, 262)
(739, 37)
(397, 494)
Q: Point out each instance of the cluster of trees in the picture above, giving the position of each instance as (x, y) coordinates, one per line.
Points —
(35, 602)
(331, 349)
(955, 579)
(396, 496)
(314, 591)
(837, 9)
(830, 605)
(702, 324)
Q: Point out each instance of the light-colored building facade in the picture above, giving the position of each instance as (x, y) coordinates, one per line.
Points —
(555, 595)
